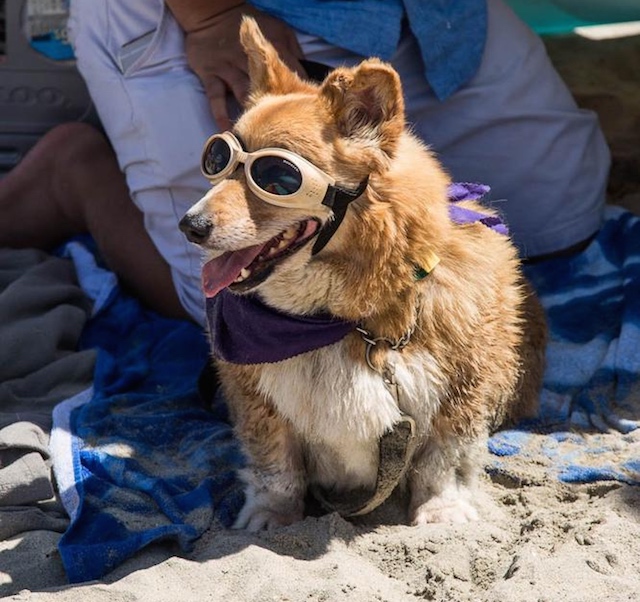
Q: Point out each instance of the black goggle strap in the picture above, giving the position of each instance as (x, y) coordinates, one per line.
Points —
(337, 199)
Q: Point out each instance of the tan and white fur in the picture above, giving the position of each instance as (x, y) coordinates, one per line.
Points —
(475, 356)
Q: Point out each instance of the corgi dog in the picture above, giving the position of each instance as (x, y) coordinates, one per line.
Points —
(367, 330)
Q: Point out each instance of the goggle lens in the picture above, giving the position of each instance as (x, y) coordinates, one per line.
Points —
(276, 175)
(216, 157)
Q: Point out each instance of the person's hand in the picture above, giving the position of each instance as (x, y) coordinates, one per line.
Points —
(216, 56)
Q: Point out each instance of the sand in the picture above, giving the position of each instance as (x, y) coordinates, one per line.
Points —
(537, 540)
(541, 542)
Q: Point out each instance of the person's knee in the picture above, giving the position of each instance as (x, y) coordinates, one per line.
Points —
(81, 153)
(78, 157)
(78, 145)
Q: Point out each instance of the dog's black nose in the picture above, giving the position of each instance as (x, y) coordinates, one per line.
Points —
(196, 228)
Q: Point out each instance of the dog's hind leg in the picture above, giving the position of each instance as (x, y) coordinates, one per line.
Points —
(442, 481)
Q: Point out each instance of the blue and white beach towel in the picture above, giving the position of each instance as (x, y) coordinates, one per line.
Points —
(138, 458)
(587, 429)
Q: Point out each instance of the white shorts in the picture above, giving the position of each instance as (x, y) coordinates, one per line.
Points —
(514, 127)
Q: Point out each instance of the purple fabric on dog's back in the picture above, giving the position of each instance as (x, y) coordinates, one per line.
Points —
(468, 191)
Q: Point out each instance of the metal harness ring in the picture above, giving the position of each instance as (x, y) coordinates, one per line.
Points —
(372, 341)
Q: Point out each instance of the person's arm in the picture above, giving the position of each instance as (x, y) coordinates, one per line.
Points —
(214, 51)
(192, 15)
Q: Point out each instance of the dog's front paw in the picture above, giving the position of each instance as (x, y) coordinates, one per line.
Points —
(444, 509)
(260, 513)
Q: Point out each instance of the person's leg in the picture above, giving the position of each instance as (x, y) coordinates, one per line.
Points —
(156, 115)
(70, 183)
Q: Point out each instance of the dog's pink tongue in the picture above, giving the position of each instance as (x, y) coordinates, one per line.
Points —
(222, 271)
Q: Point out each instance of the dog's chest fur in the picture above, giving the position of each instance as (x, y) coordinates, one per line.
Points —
(341, 408)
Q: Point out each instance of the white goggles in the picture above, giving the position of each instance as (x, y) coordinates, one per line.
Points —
(280, 177)
(275, 175)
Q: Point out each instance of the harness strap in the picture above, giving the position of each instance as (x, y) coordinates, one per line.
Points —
(396, 450)
(337, 199)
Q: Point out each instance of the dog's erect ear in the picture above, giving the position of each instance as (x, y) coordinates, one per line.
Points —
(268, 74)
(367, 103)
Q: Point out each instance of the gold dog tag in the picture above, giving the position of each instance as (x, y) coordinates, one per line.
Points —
(428, 264)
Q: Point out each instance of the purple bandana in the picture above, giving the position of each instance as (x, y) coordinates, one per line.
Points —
(244, 330)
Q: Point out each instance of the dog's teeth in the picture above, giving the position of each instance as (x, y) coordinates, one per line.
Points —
(289, 233)
(275, 249)
(244, 274)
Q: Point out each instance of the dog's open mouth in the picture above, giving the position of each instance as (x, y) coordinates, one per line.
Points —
(244, 269)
